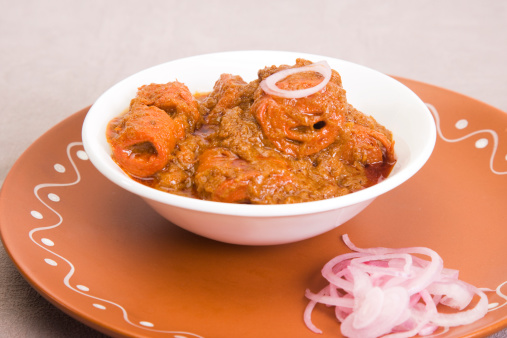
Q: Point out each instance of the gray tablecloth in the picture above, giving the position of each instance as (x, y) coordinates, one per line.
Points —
(58, 56)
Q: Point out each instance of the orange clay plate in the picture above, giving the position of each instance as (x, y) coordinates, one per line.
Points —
(104, 257)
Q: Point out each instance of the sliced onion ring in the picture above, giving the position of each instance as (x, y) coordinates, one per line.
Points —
(383, 291)
(269, 86)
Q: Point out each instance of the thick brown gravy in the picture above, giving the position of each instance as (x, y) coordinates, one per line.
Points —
(238, 144)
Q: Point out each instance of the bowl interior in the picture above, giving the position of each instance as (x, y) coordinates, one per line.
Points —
(373, 93)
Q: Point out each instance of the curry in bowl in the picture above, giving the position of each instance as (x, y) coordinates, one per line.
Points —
(289, 136)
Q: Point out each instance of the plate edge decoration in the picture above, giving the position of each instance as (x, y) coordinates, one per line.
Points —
(46, 243)
(480, 143)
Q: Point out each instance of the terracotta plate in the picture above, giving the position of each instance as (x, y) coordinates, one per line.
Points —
(103, 256)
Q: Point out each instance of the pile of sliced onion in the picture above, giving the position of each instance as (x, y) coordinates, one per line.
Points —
(382, 291)
(269, 86)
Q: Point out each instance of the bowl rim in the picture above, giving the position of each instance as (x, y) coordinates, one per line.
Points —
(112, 172)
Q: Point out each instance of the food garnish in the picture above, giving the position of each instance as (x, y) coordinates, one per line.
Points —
(269, 84)
(382, 291)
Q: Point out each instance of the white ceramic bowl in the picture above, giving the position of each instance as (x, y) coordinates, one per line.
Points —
(388, 101)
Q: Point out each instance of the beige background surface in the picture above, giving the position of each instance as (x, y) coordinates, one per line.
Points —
(58, 56)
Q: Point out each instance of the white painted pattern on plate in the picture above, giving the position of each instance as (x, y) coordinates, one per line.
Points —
(47, 242)
(479, 143)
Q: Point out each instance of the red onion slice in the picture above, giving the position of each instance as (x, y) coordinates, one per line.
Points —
(424, 278)
(383, 291)
(269, 86)
(464, 317)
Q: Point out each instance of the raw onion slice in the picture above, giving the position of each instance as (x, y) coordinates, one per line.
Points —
(393, 293)
(269, 86)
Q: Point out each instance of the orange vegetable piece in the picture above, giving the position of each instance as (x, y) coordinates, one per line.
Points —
(142, 140)
(176, 100)
(232, 175)
(303, 126)
(368, 141)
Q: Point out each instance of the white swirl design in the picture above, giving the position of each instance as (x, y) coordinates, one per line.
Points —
(498, 290)
(480, 143)
(46, 243)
